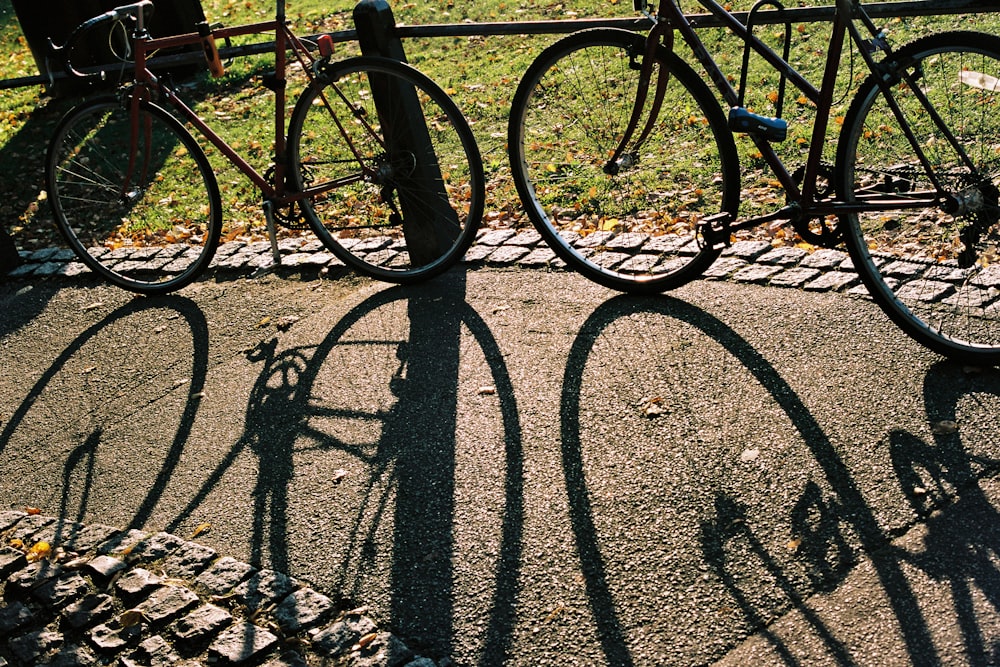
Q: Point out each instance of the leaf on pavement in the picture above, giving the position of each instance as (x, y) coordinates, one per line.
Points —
(651, 407)
(285, 323)
(130, 618)
(39, 551)
(944, 427)
(201, 529)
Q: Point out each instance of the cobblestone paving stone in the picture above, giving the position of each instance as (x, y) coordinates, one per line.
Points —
(77, 595)
(745, 261)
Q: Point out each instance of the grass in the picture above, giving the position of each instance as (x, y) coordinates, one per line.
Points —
(481, 73)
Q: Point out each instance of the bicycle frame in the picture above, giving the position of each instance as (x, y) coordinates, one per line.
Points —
(804, 203)
(274, 191)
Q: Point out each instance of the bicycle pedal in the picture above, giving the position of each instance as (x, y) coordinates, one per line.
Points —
(772, 129)
(715, 229)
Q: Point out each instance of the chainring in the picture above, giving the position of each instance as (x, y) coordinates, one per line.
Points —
(819, 231)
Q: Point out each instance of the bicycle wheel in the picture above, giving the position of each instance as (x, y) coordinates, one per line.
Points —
(935, 273)
(400, 173)
(148, 220)
(637, 230)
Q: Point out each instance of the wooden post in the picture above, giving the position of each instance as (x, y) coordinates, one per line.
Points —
(430, 225)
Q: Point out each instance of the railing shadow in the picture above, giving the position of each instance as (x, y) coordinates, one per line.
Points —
(32, 421)
(834, 528)
(382, 387)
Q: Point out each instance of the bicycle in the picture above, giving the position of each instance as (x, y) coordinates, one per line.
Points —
(378, 162)
(627, 164)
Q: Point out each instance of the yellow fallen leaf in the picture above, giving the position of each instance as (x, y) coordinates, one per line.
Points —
(365, 641)
(39, 551)
(202, 528)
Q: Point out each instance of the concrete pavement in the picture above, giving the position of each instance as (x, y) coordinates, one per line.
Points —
(517, 467)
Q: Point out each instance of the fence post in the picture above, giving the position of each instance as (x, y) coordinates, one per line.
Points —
(430, 225)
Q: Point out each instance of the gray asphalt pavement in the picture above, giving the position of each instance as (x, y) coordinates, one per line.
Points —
(517, 467)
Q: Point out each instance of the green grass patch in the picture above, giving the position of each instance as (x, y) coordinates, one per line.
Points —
(481, 74)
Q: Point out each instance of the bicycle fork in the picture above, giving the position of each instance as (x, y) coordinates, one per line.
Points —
(621, 160)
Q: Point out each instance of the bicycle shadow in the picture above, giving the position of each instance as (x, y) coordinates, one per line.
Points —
(118, 400)
(940, 480)
(833, 528)
(394, 414)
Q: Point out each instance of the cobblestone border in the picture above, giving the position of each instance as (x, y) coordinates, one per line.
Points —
(74, 595)
(755, 262)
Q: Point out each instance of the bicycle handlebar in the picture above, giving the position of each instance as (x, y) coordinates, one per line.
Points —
(139, 10)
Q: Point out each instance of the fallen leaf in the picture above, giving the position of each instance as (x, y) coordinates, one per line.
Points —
(93, 306)
(285, 323)
(264, 322)
(32, 511)
(794, 544)
(487, 390)
(749, 455)
(555, 612)
(202, 528)
(651, 407)
(130, 618)
(39, 551)
(338, 475)
(365, 641)
(945, 427)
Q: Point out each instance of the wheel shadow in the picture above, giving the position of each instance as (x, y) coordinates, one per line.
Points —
(832, 529)
(382, 387)
(39, 416)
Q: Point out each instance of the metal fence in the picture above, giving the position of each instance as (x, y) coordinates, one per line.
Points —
(796, 15)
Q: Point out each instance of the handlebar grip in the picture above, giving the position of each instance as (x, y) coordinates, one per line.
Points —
(65, 51)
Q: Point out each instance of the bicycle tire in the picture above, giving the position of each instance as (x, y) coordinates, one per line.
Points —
(150, 225)
(935, 274)
(636, 231)
(413, 192)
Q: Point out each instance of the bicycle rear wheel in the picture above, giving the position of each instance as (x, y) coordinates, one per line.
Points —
(147, 219)
(401, 178)
(935, 273)
(636, 230)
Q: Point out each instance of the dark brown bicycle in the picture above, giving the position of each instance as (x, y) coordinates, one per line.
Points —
(627, 165)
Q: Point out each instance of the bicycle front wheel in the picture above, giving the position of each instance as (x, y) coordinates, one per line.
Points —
(397, 176)
(932, 262)
(635, 230)
(140, 209)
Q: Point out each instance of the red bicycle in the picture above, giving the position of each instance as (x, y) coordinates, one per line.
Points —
(377, 160)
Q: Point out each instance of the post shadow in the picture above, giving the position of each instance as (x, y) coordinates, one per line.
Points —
(414, 456)
(851, 507)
